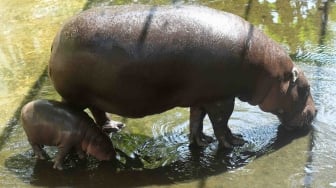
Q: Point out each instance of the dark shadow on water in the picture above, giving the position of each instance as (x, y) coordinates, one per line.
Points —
(191, 163)
(285, 137)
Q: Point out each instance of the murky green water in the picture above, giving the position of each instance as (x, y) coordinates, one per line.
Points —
(157, 146)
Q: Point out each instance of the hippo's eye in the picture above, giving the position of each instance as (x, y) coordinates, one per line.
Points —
(307, 91)
(304, 91)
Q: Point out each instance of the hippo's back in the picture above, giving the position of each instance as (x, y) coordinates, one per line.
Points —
(48, 122)
(140, 60)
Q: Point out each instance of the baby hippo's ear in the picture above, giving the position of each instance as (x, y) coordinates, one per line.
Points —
(295, 74)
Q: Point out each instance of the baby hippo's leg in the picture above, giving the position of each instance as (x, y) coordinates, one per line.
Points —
(62, 152)
(81, 154)
(39, 152)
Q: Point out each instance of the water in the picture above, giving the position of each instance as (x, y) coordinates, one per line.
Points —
(155, 150)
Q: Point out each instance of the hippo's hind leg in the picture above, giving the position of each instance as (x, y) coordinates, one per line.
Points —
(39, 151)
(197, 136)
(219, 114)
(100, 117)
(106, 124)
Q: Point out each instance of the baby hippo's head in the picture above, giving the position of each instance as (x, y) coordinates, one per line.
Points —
(101, 147)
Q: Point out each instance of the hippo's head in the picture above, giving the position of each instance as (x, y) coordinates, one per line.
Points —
(292, 101)
(101, 147)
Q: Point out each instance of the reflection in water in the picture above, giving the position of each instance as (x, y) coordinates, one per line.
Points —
(25, 35)
(321, 168)
(154, 150)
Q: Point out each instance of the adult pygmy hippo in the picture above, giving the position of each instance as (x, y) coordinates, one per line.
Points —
(56, 124)
(139, 60)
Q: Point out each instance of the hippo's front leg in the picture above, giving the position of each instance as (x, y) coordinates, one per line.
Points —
(219, 114)
(104, 122)
(197, 136)
(63, 150)
(81, 154)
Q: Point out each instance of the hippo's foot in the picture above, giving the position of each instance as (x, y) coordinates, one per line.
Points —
(43, 156)
(112, 126)
(81, 154)
(39, 153)
(58, 165)
(200, 140)
(230, 140)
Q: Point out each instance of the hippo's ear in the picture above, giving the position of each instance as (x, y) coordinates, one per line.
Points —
(295, 74)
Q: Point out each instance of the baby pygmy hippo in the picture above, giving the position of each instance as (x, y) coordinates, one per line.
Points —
(54, 123)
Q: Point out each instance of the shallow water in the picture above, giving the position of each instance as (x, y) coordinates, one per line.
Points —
(155, 150)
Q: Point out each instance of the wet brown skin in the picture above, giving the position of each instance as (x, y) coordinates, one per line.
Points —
(54, 123)
(140, 60)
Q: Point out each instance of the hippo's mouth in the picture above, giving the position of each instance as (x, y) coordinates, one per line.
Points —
(299, 120)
